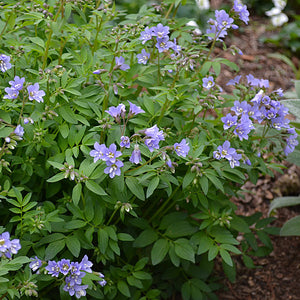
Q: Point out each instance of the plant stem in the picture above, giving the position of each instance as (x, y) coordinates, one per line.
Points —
(60, 10)
(169, 10)
(165, 204)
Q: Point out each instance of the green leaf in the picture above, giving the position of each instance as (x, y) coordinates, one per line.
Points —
(76, 193)
(159, 251)
(179, 229)
(135, 187)
(212, 253)
(64, 130)
(67, 114)
(188, 178)
(204, 184)
(56, 177)
(291, 227)
(102, 240)
(147, 237)
(284, 202)
(152, 186)
(74, 224)
(38, 41)
(54, 248)
(125, 237)
(213, 178)
(73, 245)
(95, 188)
(186, 291)
(184, 250)
(229, 271)
(123, 288)
(142, 275)
(226, 257)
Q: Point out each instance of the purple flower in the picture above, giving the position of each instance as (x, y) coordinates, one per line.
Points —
(102, 282)
(225, 150)
(244, 127)
(252, 80)
(155, 136)
(86, 264)
(176, 48)
(116, 112)
(219, 26)
(35, 93)
(160, 31)
(111, 154)
(146, 35)
(27, 120)
(229, 121)
(279, 92)
(75, 278)
(182, 149)
(4, 63)
(11, 93)
(134, 109)
(208, 82)
(254, 112)
(64, 266)
(240, 107)
(163, 44)
(99, 151)
(217, 155)
(113, 169)
(75, 268)
(291, 144)
(80, 290)
(143, 57)
(234, 160)
(15, 246)
(53, 268)
(234, 81)
(70, 288)
(135, 157)
(5, 242)
(125, 141)
(17, 83)
(257, 98)
(120, 63)
(264, 83)
(242, 11)
(35, 264)
(19, 131)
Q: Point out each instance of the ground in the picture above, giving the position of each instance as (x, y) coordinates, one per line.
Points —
(277, 276)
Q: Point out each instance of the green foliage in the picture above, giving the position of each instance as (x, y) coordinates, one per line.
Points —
(156, 228)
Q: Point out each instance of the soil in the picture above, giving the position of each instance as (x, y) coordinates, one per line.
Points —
(277, 276)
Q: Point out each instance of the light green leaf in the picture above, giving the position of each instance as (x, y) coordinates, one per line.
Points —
(95, 188)
(159, 251)
(73, 245)
(135, 187)
(291, 227)
(184, 249)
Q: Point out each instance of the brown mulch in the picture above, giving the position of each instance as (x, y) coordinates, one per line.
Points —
(278, 275)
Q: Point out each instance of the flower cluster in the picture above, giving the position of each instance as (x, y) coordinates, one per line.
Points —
(163, 42)
(73, 273)
(152, 138)
(8, 246)
(34, 92)
(278, 18)
(241, 10)
(218, 27)
(261, 108)
(225, 151)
